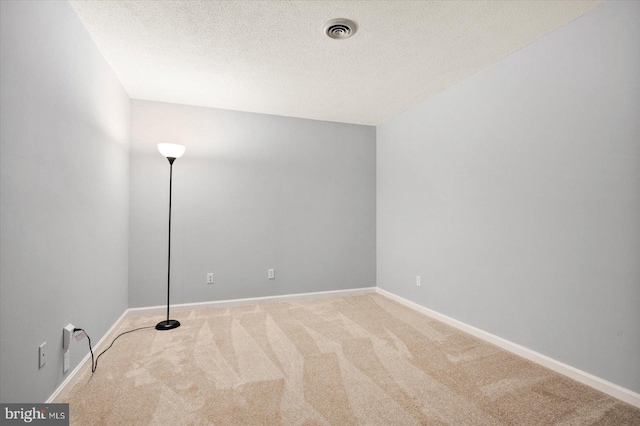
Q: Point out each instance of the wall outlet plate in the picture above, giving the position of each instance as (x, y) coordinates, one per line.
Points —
(210, 278)
(65, 364)
(42, 355)
(271, 274)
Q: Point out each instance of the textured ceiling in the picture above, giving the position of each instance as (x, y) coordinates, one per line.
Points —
(272, 56)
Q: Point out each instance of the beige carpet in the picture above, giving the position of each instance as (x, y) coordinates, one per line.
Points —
(350, 360)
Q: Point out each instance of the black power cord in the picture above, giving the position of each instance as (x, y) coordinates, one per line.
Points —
(94, 365)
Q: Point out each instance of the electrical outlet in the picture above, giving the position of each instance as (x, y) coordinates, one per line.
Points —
(42, 354)
(67, 334)
(65, 366)
(418, 282)
(210, 278)
(271, 274)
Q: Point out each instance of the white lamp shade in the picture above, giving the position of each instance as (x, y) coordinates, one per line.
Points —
(171, 150)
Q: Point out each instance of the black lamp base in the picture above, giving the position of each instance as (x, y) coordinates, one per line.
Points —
(167, 325)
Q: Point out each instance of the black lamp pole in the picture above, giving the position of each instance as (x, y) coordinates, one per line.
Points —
(168, 324)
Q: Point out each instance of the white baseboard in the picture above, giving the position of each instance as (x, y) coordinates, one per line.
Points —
(609, 388)
(234, 302)
(74, 375)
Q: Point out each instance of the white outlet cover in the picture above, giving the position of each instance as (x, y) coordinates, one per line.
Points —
(42, 355)
(65, 366)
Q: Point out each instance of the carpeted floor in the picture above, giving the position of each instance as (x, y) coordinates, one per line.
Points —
(361, 359)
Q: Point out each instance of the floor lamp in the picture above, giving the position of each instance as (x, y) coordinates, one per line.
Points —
(171, 151)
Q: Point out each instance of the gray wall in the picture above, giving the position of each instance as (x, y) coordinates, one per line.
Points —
(252, 192)
(64, 194)
(516, 196)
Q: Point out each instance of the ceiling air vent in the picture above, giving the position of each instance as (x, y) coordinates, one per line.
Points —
(340, 28)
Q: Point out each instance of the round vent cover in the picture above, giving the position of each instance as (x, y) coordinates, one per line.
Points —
(340, 28)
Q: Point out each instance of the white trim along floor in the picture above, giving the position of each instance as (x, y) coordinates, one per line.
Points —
(609, 388)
